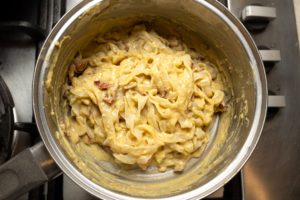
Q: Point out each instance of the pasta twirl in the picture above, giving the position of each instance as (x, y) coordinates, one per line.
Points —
(145, 98)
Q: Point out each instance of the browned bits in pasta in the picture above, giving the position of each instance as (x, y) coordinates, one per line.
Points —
(146, 99)
(102, 86)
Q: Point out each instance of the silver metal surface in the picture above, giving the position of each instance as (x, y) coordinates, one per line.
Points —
(272, 171)
(234, 40)
(270, 55)
(71, 191)
(47, 164)
(276, 101)
(71, 3)
(17, 61)
(258, 13)
(17, 58)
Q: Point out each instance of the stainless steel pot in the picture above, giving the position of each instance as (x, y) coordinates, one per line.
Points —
(234, 137)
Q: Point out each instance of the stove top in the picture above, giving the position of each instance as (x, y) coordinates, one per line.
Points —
(270, 173)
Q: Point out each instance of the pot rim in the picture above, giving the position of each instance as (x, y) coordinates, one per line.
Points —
(212, 185)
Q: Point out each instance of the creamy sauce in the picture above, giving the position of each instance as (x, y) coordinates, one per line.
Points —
(148, 99)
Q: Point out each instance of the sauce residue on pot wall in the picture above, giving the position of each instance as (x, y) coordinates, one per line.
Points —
(99, 166)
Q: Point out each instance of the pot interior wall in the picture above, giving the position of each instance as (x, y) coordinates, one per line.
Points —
(199, 28)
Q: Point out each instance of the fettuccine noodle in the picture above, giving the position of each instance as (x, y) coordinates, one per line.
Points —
(145, 99)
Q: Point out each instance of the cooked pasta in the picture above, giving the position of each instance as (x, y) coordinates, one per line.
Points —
(145, 99)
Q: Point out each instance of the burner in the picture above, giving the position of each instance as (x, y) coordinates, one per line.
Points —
(6, 121)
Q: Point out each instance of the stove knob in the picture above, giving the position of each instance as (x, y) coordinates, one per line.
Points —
(256, 18)
(269, 57)
(275, 103)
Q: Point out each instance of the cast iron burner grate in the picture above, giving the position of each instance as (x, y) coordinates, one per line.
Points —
(6, 122)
